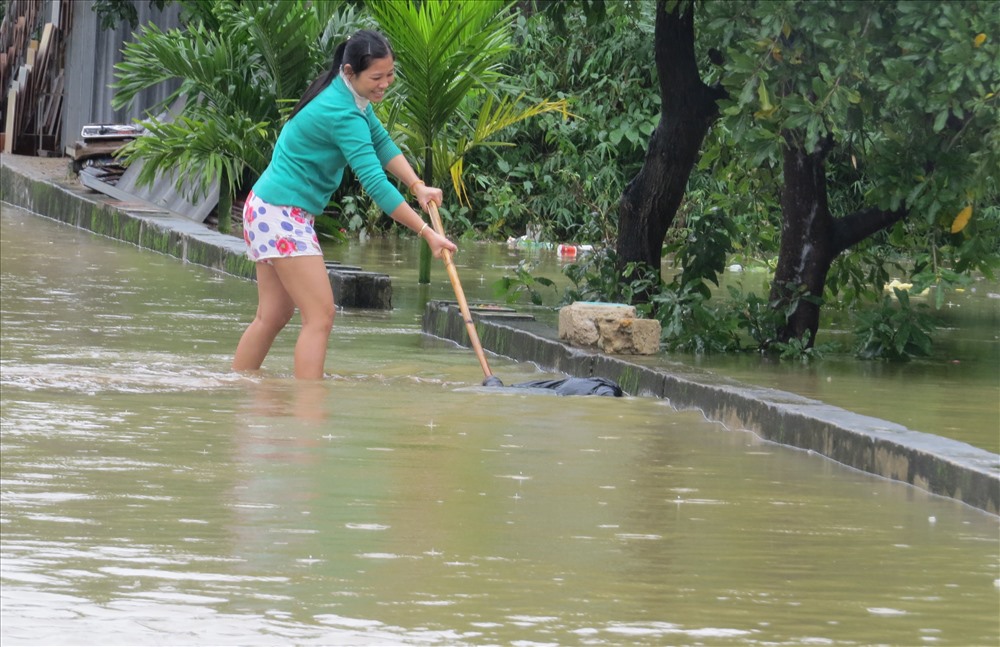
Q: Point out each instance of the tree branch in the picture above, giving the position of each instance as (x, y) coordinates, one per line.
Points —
(852, 229)
(676, 62)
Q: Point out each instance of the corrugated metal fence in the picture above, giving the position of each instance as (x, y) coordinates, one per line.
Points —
(90, 60)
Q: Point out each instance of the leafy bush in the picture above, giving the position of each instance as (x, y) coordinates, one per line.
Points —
(690, 324)
(594, 278)
(522, 283)
(895, 331)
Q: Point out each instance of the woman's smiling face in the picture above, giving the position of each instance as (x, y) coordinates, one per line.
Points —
(374, 80)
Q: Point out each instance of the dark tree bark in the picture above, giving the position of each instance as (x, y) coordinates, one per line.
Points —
(806, 250)
(811, 238)
(688, 109)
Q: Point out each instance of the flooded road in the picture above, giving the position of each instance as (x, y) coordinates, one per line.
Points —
(151, 496)
(954, 393)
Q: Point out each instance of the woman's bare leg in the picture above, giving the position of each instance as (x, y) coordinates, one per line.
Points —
(306, 282)
(274, 310)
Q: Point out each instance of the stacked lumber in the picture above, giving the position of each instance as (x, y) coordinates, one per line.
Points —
(15, 33)
(32, 56)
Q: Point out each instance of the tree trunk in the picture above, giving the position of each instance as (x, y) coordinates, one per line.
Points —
(811, 238)
(424, 266)
(806, 241)
(688, 109)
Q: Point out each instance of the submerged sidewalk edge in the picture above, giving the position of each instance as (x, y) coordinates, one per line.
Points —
(938, 465)
(44, 186)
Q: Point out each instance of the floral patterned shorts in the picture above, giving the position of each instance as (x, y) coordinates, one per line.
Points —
(273, 231)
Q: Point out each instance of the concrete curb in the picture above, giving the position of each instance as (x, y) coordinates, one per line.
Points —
(38, 187)
(939, 465)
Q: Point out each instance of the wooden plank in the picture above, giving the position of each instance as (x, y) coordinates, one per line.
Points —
(46, 41)
(56, 128)
(40, 72)
(8, 144)
(83, 150)
(20, 105)
(22, 77)
(43, 52)
(54, 111)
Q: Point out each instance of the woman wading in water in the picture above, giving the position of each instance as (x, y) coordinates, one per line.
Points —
(332, 127)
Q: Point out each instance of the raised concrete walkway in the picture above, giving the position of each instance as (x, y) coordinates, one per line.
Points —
(939, 465)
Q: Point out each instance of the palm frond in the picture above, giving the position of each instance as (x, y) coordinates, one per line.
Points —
(279, 39)
(198, 150)
(238, 66)
(148, 61)
(446, 50)
(506, 113)
(493, 118)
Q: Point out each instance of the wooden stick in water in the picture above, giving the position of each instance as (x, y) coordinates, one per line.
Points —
(463, 306)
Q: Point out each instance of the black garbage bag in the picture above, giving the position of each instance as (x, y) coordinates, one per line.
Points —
(576, 386)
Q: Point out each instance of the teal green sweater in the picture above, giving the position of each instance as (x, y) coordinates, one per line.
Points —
(313, 148)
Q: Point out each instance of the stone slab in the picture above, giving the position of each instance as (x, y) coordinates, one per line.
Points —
(578, 321)
(611, 327)
(629, 336)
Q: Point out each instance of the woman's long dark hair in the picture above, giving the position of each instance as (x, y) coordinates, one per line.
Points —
(358, 51)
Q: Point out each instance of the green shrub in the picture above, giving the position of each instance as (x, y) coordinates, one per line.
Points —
(894, 331)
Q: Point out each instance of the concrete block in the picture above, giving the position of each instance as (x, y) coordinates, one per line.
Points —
(360, 289)
(612, 327)
(629, 336)
(578, 321)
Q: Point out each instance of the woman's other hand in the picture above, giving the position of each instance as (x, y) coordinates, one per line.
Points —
(438, 243)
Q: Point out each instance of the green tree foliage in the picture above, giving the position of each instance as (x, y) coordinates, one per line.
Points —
(454, 94)
(565, 176)
(883, 118)
(858, 138)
